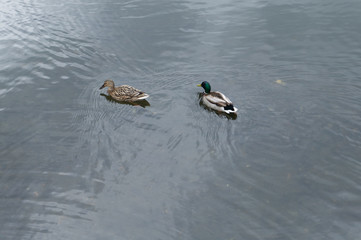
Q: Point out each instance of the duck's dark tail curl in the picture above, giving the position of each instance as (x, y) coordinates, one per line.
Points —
(229, 107)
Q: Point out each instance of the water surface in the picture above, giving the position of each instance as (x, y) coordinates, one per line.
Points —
(75, 165)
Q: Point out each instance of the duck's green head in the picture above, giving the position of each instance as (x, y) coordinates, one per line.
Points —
(206, 86)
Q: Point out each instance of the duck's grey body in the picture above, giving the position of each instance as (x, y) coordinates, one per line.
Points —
(216, 100)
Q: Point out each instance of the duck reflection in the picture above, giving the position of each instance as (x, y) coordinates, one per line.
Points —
(142, 103)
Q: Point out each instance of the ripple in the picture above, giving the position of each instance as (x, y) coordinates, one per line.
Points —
(73, 157)
(44, 53)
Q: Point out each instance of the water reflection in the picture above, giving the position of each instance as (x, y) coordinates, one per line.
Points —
(142, 103)
(288, 170)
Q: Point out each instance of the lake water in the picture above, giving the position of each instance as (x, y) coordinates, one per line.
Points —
(76, 165)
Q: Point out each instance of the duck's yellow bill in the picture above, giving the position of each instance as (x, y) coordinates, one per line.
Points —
(199, 85)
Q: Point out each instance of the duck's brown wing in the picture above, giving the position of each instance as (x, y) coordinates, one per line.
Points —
(127, 92)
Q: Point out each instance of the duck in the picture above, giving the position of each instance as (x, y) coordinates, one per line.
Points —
(124, 93)
(216, 100)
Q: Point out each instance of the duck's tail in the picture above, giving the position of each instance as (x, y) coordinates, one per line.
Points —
(230, 109)
(143, 96)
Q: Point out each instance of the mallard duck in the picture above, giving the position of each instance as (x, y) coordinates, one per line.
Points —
(124, 93)
(216, 100)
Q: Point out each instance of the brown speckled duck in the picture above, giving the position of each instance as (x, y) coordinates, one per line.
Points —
(124, 92)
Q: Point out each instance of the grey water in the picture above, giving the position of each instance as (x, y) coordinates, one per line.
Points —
(76, 165)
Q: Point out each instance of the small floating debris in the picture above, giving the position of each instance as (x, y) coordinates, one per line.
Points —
(280, 82)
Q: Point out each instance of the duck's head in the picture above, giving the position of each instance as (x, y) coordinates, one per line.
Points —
(107, 83)
(206, 86)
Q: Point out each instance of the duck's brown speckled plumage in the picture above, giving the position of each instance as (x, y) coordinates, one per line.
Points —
(124, 92)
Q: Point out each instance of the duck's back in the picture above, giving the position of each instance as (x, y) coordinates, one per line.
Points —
(218, 98)
(126, 92)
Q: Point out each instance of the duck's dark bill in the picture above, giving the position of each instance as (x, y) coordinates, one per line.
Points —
(102, 86)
